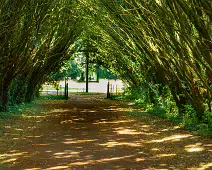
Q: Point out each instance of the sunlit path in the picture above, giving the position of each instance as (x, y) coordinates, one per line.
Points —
(88, 132)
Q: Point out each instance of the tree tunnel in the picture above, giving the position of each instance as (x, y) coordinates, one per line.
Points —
(160, 47)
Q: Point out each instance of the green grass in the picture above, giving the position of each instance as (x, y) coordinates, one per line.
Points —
(201, 129)
(49, 88)
(18, 111)
(27, 108)
(119, 97)
(51, 97)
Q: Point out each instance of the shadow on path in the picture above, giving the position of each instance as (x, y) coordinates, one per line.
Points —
(87, 132)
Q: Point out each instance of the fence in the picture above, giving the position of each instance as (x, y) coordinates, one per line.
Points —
(114, 90)
(61, 91)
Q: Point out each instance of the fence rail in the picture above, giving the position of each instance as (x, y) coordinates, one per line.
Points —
(61, 91)
(114, 90)
(111, 88)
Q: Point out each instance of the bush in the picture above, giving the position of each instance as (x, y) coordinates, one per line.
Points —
(18, 110)
(131, 93)
(191, 122)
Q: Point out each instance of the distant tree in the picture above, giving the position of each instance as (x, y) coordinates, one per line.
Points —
(106, 74)
(75, 70)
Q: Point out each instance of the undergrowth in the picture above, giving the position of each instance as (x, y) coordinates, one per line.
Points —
(20, 110)
(166, 108)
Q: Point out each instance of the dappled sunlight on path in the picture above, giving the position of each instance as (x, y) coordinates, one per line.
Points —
(87, 132)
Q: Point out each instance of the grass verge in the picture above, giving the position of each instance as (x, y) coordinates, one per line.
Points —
(188, 122)
(51, 97)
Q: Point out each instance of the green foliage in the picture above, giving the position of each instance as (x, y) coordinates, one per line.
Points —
(19, 111)
(205, 127)
(157, 110)
(106, 74)
(207, 118)
(166, 107)
(134, 45)
(131, 93)
(190, 120)
(141, 103)
(69, 69)
(41, 36)
(162, 48)
(204, 130)
(75, 70)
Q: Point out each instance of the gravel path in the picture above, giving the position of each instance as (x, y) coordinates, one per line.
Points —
(88, 132)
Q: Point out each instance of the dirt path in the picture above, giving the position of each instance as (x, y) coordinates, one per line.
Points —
(89, 133)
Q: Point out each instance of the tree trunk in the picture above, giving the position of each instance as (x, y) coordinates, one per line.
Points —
(4, 98)
(30, 94)
(198, 105)
(179, 98)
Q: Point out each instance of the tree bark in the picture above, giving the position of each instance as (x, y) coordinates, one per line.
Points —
(4, 98)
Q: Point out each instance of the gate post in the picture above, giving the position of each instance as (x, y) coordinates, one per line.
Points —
(108, 90)
(87, 71)
(66, 91)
